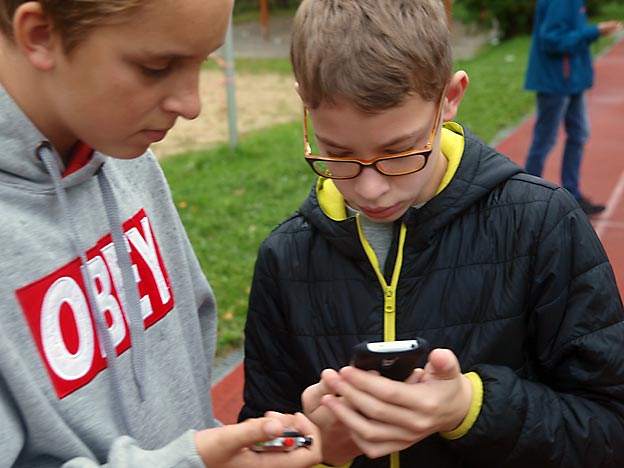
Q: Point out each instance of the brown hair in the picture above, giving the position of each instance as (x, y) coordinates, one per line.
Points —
(373, 53)
(73, 19)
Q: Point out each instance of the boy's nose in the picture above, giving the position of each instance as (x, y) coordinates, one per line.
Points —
(371, 184)
(185, 100)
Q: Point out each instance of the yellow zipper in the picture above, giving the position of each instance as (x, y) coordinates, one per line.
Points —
(389, 296)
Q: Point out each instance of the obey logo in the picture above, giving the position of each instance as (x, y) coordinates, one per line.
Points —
(61, 319)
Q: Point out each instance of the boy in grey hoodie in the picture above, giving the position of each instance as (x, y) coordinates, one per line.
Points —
(108, 323)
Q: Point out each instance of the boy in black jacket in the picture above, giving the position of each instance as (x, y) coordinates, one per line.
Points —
(416, 228)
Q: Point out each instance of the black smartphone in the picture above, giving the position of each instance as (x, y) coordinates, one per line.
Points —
(393, 359)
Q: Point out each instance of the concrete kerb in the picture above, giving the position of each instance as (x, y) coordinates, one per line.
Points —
(249, 42)
(225, 364)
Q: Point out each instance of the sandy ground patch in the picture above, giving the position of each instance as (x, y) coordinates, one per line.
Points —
(261, 101)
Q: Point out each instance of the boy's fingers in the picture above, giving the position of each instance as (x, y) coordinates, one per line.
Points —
(233, 438)
(237, 436)
(305, 426)
(219, 444)
(311, 396)
(364, 428)
(322, 417)
(297, 422)
(416, 376)
(328, 376)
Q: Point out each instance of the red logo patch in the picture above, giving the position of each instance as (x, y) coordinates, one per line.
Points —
(61, 319)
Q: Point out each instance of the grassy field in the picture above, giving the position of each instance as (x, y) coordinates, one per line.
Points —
(229, 200)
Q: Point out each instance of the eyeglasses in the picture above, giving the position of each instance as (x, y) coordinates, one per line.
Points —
(406, 162)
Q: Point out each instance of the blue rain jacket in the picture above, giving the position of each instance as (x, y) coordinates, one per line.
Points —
(560, 59)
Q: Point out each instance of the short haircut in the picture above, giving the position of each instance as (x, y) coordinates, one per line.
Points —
(372, 53)
(73, 19)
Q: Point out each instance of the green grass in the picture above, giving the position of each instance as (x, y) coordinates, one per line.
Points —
(229, 200)
(495, 99)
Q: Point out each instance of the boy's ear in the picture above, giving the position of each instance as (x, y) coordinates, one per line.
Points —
(34, 35)
(454, 94)
(296, 86)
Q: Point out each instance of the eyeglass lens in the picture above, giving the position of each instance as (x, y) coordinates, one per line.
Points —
(395, 166)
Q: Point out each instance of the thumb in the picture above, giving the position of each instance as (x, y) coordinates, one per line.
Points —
(220, 445)
(442, 365)
(249, 432)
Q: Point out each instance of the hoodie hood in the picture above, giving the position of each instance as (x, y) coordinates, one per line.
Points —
(480, 170)
(20, 164)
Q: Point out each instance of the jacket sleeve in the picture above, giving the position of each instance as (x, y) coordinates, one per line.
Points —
(562, 33)
(569, 411)
(270, 362)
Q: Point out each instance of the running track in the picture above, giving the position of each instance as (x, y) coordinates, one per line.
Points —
(602, 180)
(602, 171)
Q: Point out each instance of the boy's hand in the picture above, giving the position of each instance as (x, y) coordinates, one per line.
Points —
(228, 446)
(386, 416)
(338, 447)
(609, 27)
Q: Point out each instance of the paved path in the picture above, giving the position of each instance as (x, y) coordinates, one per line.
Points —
(602, 179)
(250, 42)
(602, 171)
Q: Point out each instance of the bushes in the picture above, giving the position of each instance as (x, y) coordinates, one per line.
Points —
(509, 17)
(513, 17)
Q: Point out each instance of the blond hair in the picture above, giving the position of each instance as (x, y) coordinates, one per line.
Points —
(373, 53)
(73, 19)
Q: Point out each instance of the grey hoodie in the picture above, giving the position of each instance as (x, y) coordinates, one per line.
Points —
(70, 291)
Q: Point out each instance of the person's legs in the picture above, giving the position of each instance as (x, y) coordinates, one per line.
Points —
(577, 132)
(550, 111)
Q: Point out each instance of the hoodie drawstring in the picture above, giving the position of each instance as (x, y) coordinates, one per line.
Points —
(128, 294)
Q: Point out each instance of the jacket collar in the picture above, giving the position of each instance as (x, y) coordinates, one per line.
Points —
(470, 176)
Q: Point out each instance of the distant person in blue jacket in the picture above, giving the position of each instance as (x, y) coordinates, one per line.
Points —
(560, 69)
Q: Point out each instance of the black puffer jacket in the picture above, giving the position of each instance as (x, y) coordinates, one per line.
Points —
(501, 267)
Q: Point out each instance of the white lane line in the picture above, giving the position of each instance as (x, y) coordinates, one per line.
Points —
(612, 224)
(604, 221)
